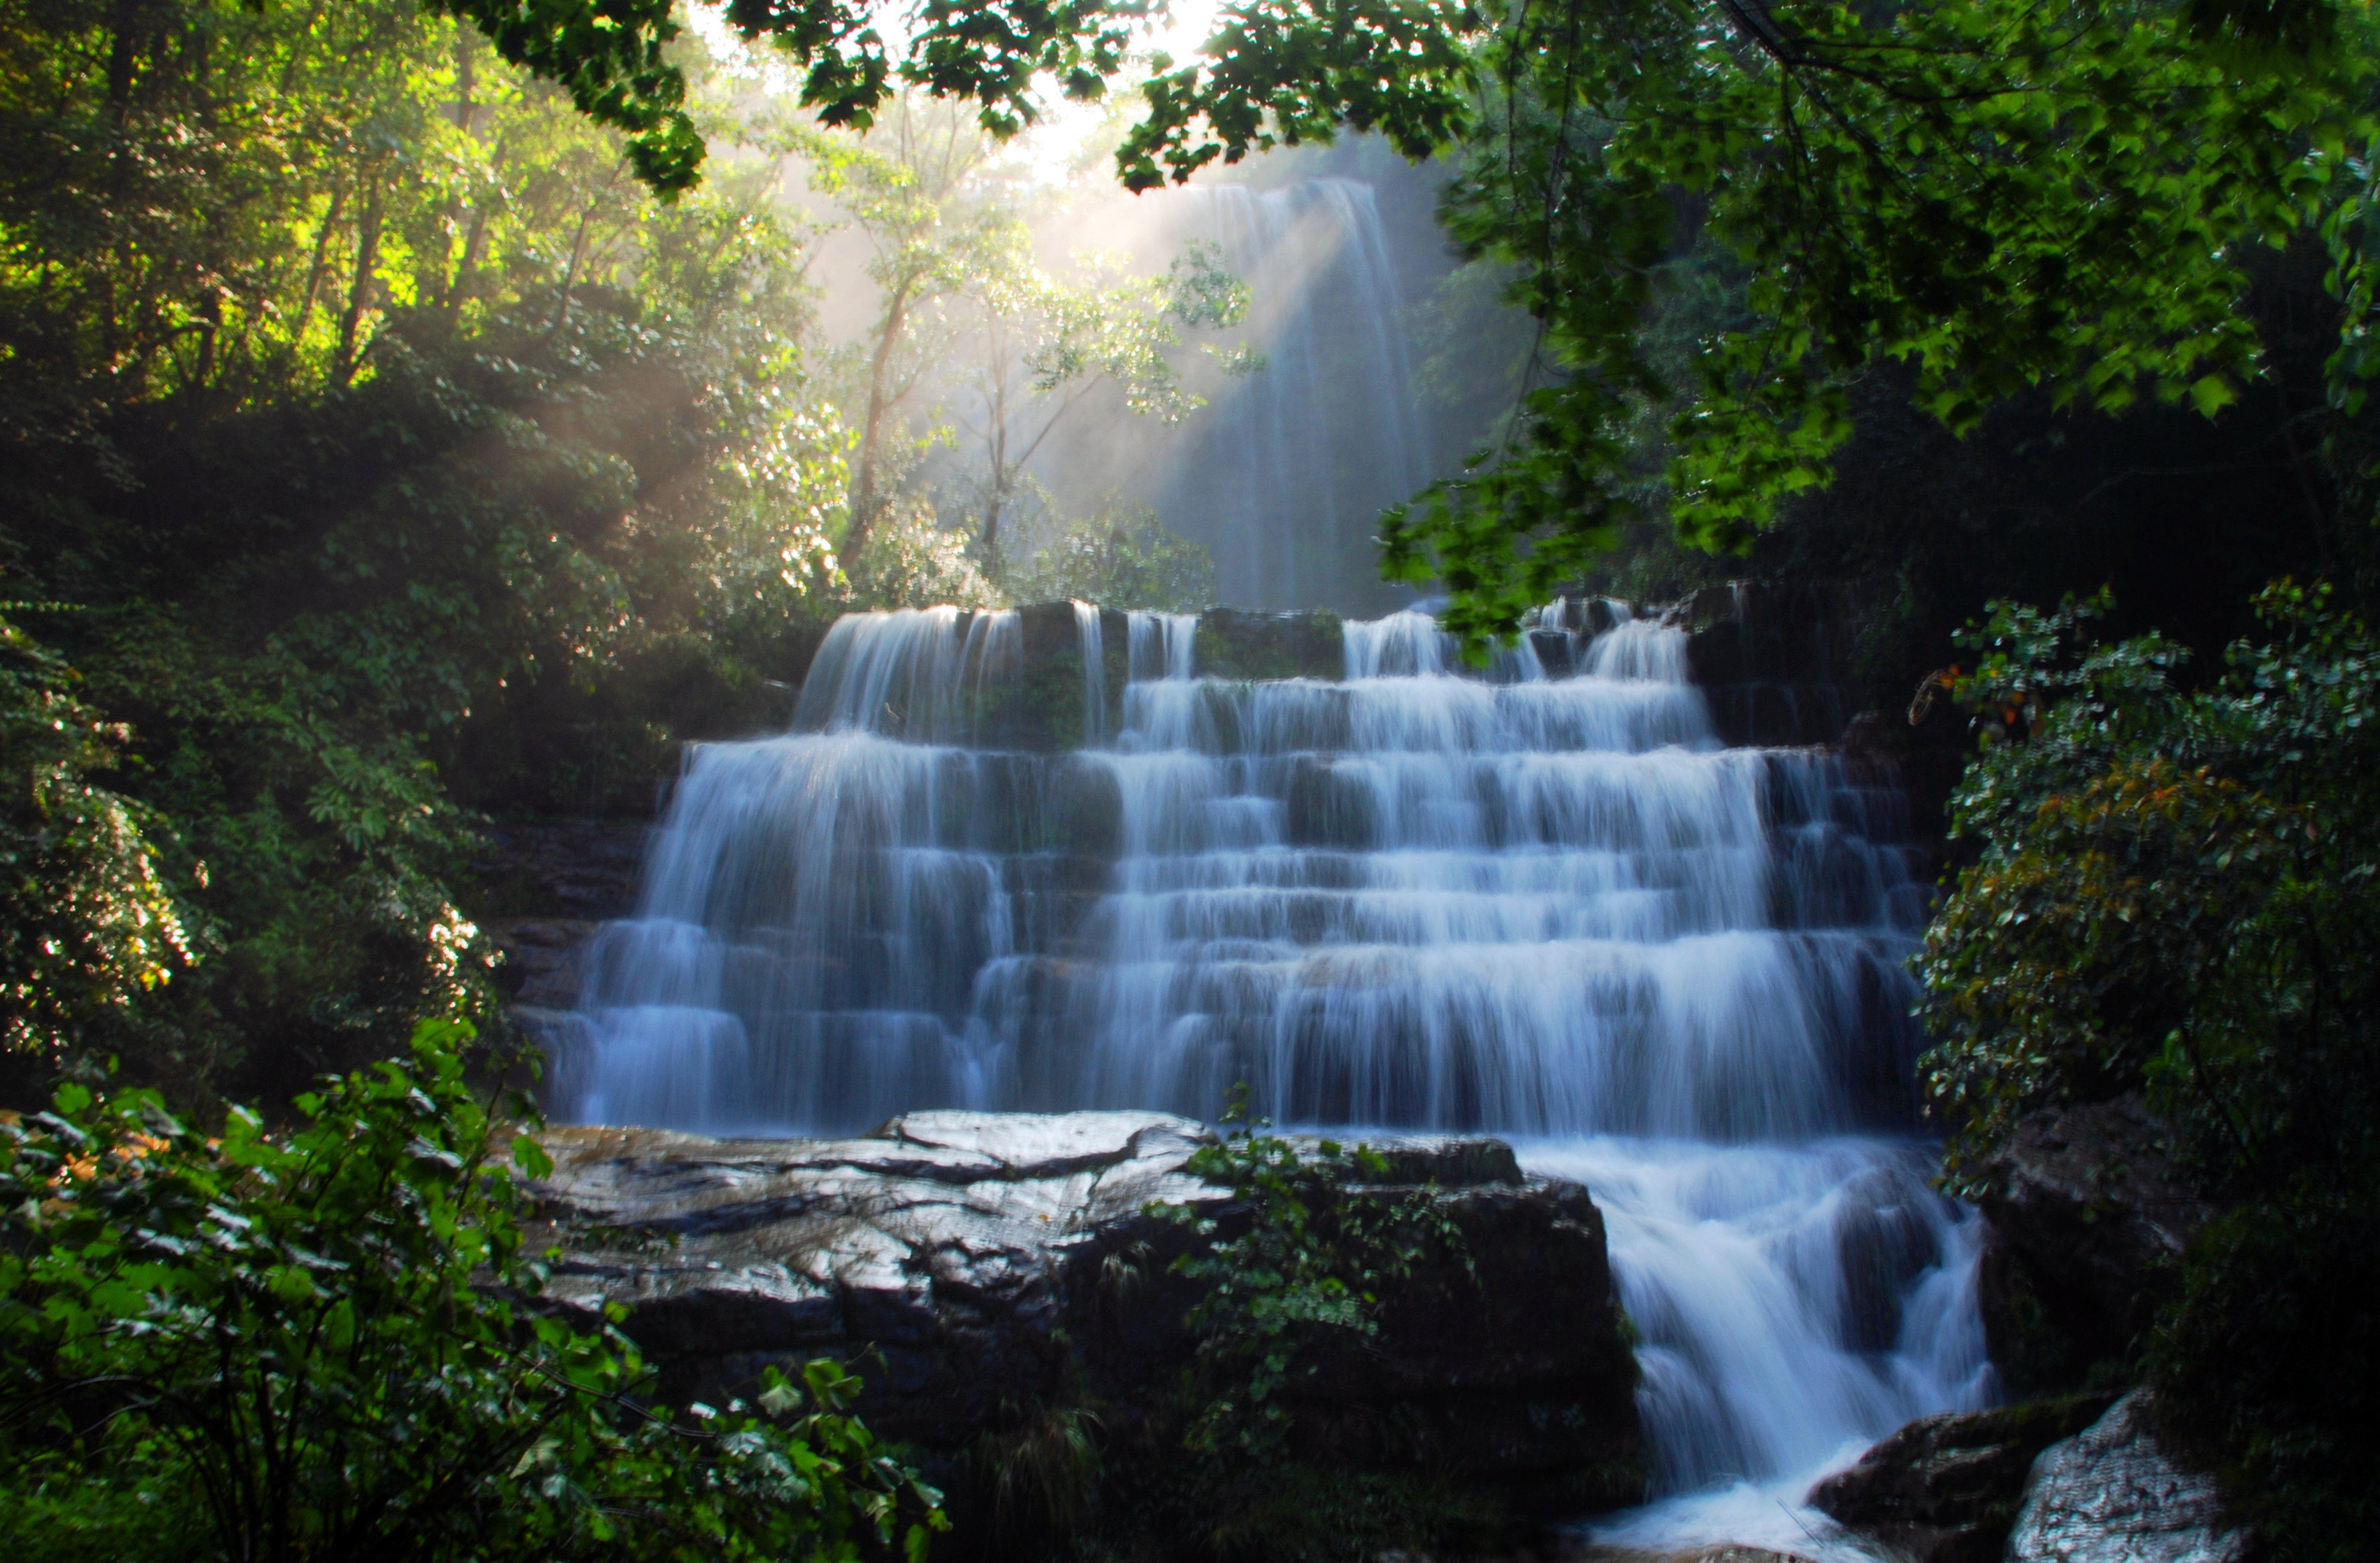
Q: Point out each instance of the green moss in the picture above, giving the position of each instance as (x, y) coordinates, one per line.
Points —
(1235, 644)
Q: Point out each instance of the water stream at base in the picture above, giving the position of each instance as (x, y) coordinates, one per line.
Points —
(1555, 909)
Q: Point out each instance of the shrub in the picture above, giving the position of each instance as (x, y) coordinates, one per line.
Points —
(323, 1344)
(1292, 1274)
(1122, 555)
(2175, 894)
(87, 922)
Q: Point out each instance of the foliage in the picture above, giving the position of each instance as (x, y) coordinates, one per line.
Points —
(1043, 341)
(912, 561)
(323, 1344)
(2175, 894)
(913, 189)
(1122, 555)
(1966, 190)
(611, 54)
(87, 921)
(383, 429)
(1291, 1274)
(1840, 157)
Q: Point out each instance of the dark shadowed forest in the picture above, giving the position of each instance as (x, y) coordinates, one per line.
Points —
(428, 423)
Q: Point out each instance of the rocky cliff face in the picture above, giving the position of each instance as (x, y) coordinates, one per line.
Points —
(979, 1268)
(1776, 660)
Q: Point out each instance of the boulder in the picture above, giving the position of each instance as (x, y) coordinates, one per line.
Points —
(2110, 1496)
(1235, 643)
(1945, 1490)
(2088, 1212)
(973, 1267)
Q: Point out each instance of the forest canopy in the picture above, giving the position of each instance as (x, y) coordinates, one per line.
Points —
(1966, 190)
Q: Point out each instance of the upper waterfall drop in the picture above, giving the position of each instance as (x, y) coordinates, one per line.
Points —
(1282, 475)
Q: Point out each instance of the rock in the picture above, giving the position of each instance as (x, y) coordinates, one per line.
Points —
(2087, 1210)
(540, 958)
(579, 870)
(545, 886)
(1945, 1490)
(1560, 1548)
(1776, 659)
(2111, 1495)
(970, 1266)
(1241, 644)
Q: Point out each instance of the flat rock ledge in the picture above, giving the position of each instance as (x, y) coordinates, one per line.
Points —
(979, 1268)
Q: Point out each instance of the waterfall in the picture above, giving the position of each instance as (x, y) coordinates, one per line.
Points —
(1410, 896)
(1284, 475)
(1093, 636)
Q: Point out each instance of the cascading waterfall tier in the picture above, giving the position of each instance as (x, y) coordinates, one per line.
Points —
(1552, 907)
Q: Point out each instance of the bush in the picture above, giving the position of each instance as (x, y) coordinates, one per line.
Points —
(87, 922)
(2175, 894)
(1121, 556)
(324, 1345)
(1292, 1274)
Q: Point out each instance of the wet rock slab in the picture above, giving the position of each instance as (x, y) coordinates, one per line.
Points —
(971, 1264)
(2110, 1495)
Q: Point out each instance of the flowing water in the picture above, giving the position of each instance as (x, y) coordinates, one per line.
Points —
(1283, 475)
(1553, 908)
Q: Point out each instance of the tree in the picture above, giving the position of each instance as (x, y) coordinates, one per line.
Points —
(908, 188)
(378, 426)
(1970, 190)
(1041, 343)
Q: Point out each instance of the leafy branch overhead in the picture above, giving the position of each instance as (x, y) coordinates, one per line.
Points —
(1969, 190)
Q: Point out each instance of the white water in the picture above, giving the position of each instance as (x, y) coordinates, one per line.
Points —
(1556, 909)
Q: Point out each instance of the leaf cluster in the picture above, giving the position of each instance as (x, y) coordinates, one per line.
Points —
(2170, 886)
(88, 922)
(1293, 1269)
(324, 1343)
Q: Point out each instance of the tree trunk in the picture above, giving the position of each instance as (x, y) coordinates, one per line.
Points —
(475, 247)
(127, 30)
(359, 293)
(210, 323)
(321, 263)
(863, 489)
(570, 275)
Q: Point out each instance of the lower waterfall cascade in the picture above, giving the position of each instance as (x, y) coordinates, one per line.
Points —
(1414, 896)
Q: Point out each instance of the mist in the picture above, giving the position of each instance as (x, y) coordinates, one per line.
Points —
(1282, 474)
